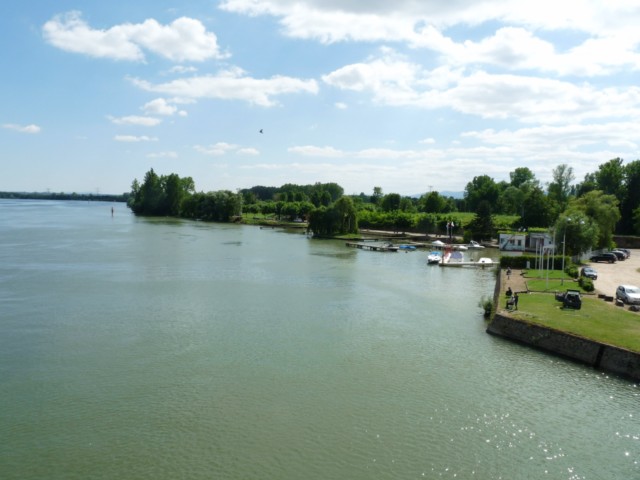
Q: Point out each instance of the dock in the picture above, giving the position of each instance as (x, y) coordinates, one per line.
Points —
(378, 247)
(482, 263)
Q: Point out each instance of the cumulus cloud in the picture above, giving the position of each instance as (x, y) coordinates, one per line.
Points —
(159, 106)
(22, 128)
(184, 39)
(394, 81)
(135, 120)
(609, 39)
(231, 84)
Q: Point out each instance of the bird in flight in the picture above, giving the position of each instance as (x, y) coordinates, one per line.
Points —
(261, 131)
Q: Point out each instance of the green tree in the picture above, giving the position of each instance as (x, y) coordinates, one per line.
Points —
(391, 202)
(345, 213)
(523, 177)
(560, 187)
(610, 178)
(482, 226)
(603, 210)
(377, 195)
(578, 231)
(631, 201)
(433, 202)
(481, 188)
(536, 211)
(511, 200)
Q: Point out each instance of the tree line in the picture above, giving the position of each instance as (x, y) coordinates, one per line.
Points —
(585, 213)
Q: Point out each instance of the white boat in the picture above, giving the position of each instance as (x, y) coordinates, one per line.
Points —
(438, 244)
(474, 244)
(434, 257)
(485, 261)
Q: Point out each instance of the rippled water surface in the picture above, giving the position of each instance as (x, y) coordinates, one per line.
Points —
(164, 349)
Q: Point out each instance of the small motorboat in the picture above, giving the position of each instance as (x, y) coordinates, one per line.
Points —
(434, 257)
(474, 244)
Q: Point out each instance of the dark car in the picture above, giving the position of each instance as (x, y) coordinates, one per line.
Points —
(570, 299)
(619, 255)
(604, 257)
(589, 272)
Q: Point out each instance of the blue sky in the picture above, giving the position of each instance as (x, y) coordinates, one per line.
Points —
(404, 95)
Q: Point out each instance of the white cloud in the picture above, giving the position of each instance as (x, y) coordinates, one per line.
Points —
(393, 81)
(133, 139)
(216, 150)
(181, 69)
(248, 151)
(185, 39)
(609, 37)
(22, 128)
(135, 120)
(313, 151)
(159, 106)
(428, 141)
(232, 84)
(222, 148)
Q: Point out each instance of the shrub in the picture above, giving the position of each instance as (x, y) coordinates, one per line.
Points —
(586, 284)
(486, 303)
(572, 270)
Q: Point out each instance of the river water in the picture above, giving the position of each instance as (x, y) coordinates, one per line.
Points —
(161, 349)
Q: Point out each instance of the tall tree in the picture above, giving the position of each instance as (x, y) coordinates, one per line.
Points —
(523, 177)
(560, 187)
(536, 211)
(603, 210)
(482, 225)
(610, 178)
(631, 201)
(481, 188)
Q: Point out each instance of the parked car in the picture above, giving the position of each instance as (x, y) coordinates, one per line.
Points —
(619, 255)
(589, 272)
(604, 257)
(621, 250)
(628, 294)
(570, 299)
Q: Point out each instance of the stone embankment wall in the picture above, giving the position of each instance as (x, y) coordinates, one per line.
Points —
(597, 355)
(603, 357)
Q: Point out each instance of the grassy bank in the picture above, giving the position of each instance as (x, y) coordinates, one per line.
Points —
(596, 320)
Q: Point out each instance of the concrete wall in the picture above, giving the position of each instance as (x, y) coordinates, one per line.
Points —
(597, 355)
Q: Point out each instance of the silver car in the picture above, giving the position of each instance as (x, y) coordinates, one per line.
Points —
(628, 294)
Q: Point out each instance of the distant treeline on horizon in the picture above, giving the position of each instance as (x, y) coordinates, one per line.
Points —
(99, 197)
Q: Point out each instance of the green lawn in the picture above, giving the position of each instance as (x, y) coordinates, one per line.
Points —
(550, 281)
(597, 320)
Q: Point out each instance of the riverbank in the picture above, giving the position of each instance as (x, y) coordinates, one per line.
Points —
(599, 355)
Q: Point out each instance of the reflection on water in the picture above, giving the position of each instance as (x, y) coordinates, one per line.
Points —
(159, 348)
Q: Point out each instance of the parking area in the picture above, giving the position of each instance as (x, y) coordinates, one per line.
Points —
(610, 275)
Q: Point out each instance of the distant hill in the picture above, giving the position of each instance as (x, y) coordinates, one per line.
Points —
(448, 193)
(445, 193)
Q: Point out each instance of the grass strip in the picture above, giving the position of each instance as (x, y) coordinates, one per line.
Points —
(597, 320)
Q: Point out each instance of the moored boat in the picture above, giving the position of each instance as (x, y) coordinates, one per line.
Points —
(434, 257)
